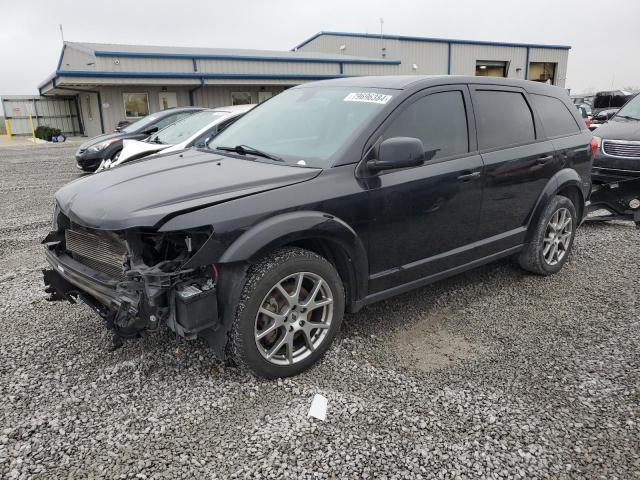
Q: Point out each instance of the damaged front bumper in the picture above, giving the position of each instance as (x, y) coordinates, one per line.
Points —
(184, 300)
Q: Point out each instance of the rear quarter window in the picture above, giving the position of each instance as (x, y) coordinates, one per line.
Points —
(503, 118)
(555, 116)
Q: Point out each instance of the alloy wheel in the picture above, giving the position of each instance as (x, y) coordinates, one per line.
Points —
(557, 237)
(294, 318)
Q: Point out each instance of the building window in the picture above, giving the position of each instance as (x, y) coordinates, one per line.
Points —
(542, 72)
(136, 105)
(240, 98)
(491, 68)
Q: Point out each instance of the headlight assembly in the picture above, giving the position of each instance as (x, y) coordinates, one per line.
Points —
(101, 145)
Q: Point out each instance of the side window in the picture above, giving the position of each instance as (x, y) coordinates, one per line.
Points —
(503, 118)
(556, 119)
(439, 120)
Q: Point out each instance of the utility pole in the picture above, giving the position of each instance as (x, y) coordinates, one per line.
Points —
(61, 33)
(382, 47)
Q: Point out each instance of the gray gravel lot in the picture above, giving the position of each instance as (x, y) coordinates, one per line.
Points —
(491, 374)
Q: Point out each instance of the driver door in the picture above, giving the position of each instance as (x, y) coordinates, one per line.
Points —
(423, 219)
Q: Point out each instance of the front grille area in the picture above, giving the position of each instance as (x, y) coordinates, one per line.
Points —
(621, 149)
(103, 251)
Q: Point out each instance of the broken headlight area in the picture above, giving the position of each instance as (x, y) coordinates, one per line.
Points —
(136, 280)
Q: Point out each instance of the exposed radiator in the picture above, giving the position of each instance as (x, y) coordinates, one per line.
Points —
(102, 251)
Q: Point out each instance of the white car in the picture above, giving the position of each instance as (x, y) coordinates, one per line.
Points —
(194, 130)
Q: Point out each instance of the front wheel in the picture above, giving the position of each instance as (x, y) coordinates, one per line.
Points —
(552, 239)
(290, 310)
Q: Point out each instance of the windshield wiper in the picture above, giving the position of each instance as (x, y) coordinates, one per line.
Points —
(157, 140)
(245, 149)
(627, 117)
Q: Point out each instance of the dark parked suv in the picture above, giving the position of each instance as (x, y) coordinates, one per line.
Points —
(109, 145)
(617, 145)
(329, 196)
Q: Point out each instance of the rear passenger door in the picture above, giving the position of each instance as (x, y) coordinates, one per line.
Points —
(518, 163)
(569, 138)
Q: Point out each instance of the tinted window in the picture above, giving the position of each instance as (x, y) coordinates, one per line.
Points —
(504, 118)
(556, 119)
(140, 124)
(439, 120)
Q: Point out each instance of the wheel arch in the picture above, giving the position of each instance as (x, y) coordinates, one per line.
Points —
(324, 234)
(566, 183)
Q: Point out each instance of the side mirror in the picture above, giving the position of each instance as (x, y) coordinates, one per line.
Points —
(398, 152)
(151, 130)
(610, 115)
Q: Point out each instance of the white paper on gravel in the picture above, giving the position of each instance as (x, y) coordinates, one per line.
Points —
(318, 407)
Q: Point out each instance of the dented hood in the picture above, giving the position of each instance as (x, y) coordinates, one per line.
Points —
(142, 193)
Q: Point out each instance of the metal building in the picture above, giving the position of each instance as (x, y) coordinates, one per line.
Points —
(112, 83)
(441, 56)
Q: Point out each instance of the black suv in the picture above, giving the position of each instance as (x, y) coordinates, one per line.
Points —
(329, 196)
(617, 145)
(109, 145)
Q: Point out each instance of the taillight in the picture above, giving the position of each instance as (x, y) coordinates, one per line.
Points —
(587, 122)
(594, 145)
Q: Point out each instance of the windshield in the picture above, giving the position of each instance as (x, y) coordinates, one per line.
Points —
(182, 130)
(140, 124)
(304, 126)
(631, 109)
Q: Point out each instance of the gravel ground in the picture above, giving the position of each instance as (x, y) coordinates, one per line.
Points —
(491, 374)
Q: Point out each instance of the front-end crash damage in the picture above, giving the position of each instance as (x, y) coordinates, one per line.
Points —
(136, 279)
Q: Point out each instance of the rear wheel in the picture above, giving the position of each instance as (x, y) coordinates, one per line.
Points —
(552, 239)
(291, 308)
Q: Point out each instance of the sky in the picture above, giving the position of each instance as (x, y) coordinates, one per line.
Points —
(603, 55)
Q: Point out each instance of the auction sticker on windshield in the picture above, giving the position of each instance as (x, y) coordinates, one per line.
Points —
(368, 97)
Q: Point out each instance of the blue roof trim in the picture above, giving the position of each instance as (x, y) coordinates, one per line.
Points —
(429, 39)
(373, 61)
(195, 75)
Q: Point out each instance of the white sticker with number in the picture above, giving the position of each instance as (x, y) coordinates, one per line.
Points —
(368, 97)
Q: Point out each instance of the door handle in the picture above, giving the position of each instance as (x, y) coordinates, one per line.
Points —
(465, 177)
(546, 158)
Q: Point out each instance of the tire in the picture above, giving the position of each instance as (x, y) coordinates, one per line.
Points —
(539, 259)
(290, 320)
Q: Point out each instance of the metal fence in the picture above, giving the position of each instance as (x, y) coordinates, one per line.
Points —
(58, 112)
